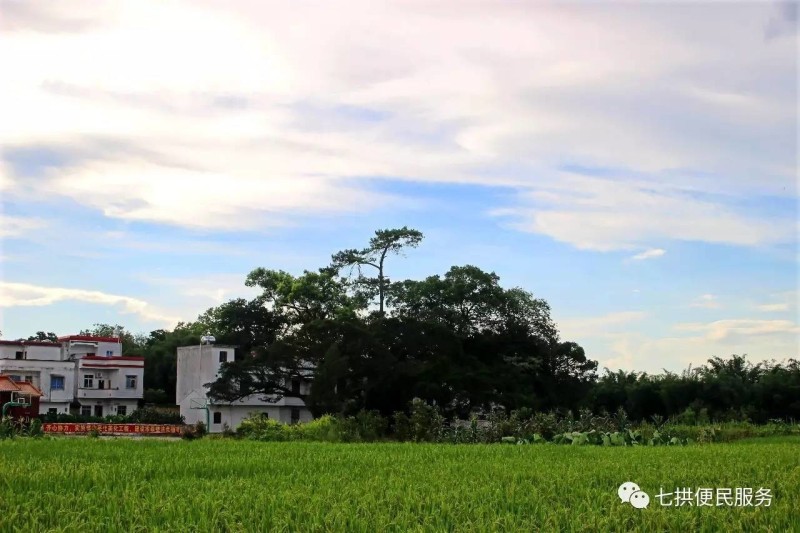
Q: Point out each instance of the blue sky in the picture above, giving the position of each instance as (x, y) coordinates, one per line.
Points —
(633, 165)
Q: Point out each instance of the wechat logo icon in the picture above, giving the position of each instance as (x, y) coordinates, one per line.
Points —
(630, 492)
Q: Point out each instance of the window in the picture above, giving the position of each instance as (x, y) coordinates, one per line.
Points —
(217, 417)
(88, 381)
(19, 355)
(15, 377)
(98, 411)
(122, 410)
(130, 382)
(109, 353)
(264, 415)
(295, 415)
(223, 356)
(86, 410)
(295, 386)
(29, 379)
(52, 411)
(57, 382)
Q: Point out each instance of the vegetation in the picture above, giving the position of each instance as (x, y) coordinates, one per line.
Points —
(459, 341)
(426, 424)
(90, 485)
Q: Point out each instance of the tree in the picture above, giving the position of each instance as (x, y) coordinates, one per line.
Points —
(471, 301)
(384, 243)
(303, 299)
(41, 336)
(131, 344)
(245, 324)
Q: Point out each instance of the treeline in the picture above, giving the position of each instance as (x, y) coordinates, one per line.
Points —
(458, 341)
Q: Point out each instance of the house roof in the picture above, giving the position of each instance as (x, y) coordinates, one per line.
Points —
(88, 338)
(30, 343)
(9, 385)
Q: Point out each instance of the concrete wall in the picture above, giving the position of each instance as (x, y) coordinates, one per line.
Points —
(197, 366)
(114, 383)
(42, 372)
(234, 414)
(44, 353)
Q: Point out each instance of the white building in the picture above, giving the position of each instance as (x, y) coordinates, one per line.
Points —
(86, 370)
(200, 365)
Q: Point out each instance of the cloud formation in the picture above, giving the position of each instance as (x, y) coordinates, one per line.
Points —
(706, 301)
(23, 294)
(649, 254)
(203, 115)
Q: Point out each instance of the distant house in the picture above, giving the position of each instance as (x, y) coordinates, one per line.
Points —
(199, 365)
(20, 392)
(85, 374)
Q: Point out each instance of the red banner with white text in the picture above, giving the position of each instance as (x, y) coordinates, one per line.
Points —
(112, 429)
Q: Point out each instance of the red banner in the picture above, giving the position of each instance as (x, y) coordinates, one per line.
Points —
(113, 429)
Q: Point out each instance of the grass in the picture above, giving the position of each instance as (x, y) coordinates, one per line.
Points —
(72, 484)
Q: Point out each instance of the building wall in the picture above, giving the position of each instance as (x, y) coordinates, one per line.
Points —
(42, 373)
(197, 367)
(39, 351)
(233, 415)
(114, 378)
(42, 361)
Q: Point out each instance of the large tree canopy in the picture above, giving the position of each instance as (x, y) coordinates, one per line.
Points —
(460, 339)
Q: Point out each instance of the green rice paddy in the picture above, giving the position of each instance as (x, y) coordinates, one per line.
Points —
(81, 484)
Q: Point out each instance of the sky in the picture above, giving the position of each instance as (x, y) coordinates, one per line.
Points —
(633, 164)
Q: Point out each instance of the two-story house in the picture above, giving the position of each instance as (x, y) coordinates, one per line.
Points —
(200, 365)
(42, 365)
(85, 372)
(106, 382)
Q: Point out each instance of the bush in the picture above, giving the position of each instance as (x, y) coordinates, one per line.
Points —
(35, 429)
(149, 415)
(426, 423)
(195, 431)
(266, 429)
(8, 429)
(325, 428)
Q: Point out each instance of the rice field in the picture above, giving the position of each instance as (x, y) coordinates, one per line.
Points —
(79, 484)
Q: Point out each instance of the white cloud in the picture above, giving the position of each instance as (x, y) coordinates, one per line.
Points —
(759, 339)
(23, 294)
(597, 325)
(729, 329)
(14, 226)
(769, 308)
(649, 254)
(706, 301)
(249, 116)
(207, 290)
(782, 302)
(609, 214)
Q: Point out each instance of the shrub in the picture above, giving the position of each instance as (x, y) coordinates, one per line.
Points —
(149, 415)
(35, 429)
(425, 422)
(265, 429)
(401, 427)
(7, 428)
(325, 428)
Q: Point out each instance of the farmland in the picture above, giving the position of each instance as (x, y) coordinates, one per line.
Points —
(78, 484)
